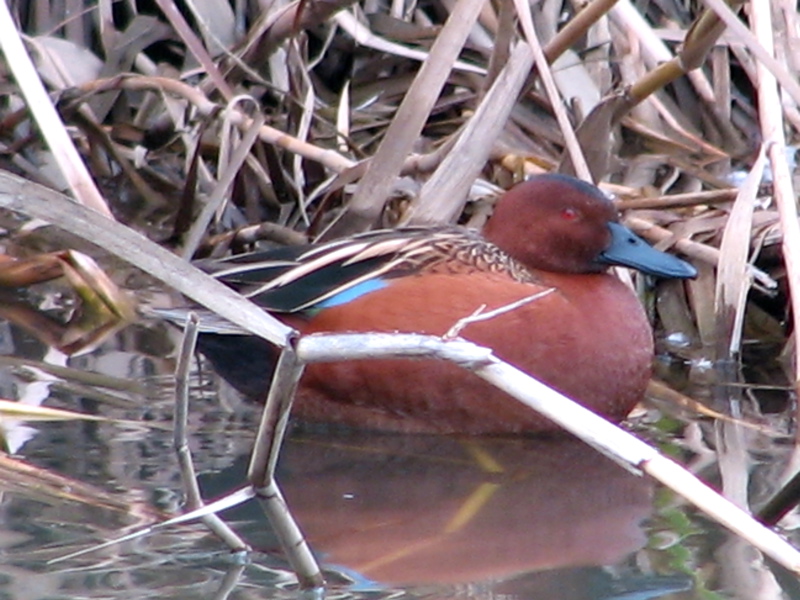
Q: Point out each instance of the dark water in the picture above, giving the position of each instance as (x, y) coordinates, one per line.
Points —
(387, 515)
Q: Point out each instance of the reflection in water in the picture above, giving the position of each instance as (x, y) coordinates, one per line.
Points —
(469, 517)
(464, 517)
(406, 509)
(432, 516)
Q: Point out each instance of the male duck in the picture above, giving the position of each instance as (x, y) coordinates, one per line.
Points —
(589, 339)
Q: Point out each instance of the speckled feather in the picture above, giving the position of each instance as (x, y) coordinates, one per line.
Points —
(301, 278)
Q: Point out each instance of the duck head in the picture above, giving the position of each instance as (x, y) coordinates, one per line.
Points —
(561, 224)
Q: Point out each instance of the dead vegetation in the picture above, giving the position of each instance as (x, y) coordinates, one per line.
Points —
(212, 126)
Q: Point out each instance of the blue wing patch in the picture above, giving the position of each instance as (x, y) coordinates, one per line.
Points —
(350, 294)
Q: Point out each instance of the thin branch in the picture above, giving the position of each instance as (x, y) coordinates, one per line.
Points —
(479, 315)
(194, 499)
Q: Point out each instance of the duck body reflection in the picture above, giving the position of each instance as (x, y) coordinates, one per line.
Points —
(401, 509)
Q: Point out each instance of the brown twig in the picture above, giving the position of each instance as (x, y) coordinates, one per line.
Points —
(329, 158)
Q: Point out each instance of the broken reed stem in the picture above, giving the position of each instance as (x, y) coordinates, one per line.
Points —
(232, 499)
(261, 472)
(734, 278)
(309, 575)
(770, 116)
(44, 114)
(479, 315)
(573, 148)
(194, 498)
(18, 194)
(620, 446)
(408, 122)
(442, 197)
(275, 418)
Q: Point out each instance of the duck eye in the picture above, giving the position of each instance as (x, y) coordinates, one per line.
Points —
(569, 214)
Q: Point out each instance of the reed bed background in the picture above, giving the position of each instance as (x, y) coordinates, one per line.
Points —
(212, 127)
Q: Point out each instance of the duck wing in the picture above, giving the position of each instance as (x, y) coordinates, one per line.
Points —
(295, 279)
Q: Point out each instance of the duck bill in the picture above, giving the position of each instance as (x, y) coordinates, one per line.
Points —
(629, 250)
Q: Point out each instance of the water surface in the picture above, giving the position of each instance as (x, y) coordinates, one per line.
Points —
(387, 515)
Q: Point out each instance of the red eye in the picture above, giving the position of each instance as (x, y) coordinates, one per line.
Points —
(569, 214)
